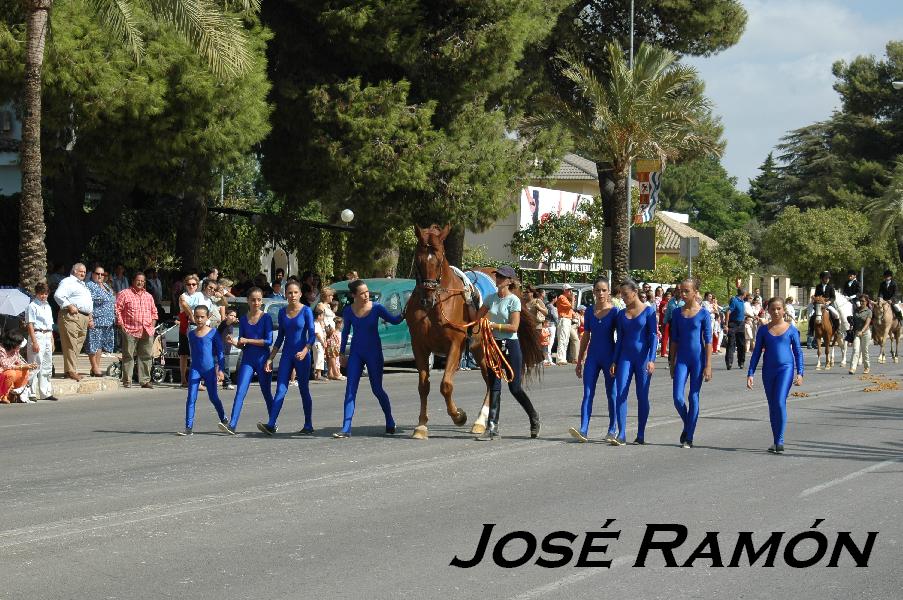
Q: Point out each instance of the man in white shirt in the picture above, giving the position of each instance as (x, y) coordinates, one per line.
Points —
(76, 306)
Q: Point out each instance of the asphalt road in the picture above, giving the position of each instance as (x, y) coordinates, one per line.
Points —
(101, 500)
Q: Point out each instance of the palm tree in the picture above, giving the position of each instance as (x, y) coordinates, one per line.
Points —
(215, 35)
(886, 211)
(655, 110)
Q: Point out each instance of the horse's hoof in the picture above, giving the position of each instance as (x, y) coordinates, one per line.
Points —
(460, 419)
(896, 359)
(478, 429)
(818, 367)
(421, 432)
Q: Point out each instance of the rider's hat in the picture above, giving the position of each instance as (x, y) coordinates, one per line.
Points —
(852, 272)
(825, 274)
(888, 273)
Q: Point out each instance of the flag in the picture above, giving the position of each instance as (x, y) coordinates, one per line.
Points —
(649, 178)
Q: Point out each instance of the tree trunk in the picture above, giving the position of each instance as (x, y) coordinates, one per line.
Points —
(32, 230)
(190, 234)
(620, 229)
(454, 245)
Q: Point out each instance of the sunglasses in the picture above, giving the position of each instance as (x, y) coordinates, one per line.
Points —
(191, 284)
(99, 273)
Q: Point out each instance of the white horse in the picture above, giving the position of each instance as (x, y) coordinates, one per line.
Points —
(845, 308)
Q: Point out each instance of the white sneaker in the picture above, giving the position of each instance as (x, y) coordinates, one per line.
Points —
(229, 387)
(294, 383)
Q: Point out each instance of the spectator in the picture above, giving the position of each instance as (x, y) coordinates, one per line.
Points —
(54, 279)
(225, 332)
(327, 295)
(319, 347)
(789, 310)
(212, 274)
(154, 288)
(120, 281)
(333, 345)
(216, 304)
(277, 291)
(537, 308)
(565, 306)
(39, 321)
(279, 278)
(75, 317)
(351, 276)
(136, 314)
(545, 338)
(14, 371)
(100, 337)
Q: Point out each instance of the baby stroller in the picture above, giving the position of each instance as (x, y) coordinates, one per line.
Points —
(158, 370)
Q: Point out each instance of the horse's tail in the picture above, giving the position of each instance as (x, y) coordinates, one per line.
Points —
(529, 338)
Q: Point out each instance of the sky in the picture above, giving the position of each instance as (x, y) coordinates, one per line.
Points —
(778, 77)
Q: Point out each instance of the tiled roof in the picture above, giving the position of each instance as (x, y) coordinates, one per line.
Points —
(575, 167)
(669, 232)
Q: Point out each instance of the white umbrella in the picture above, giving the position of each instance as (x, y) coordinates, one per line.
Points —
(13, 302)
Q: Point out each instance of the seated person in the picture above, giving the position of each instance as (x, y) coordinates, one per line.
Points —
(14, 371)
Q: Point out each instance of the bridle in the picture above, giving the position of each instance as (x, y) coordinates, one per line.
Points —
(433, 285)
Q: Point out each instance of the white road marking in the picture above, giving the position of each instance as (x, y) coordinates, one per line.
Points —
(19, 425)
(570, 579)
(844, 479)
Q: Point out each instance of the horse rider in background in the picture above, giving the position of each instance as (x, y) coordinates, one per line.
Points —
(887, 291)
(852, 288)
(826, 291)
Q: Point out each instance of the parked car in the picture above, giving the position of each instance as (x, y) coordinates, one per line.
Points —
(270, 305)
(583, 292)
(394, 295)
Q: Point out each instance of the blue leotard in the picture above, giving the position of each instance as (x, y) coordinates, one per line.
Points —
(691, 335)
(599, 357)
(253, 361)
(783, 356)
(297, 332)
(637, 341)
(366, 349)
(206, 356)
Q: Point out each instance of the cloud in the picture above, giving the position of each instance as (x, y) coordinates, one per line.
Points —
(778, 77)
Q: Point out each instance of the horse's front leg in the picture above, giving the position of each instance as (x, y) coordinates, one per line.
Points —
(479, 426)
(421, 357)
(818, 344)
(459, 417)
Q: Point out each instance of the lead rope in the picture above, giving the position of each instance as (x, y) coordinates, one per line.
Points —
(492, 355)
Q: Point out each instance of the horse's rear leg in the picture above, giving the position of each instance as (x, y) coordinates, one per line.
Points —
(421, 432)
(829, 354)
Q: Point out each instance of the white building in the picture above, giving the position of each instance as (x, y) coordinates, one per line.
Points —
(575, 179)
(10, 140)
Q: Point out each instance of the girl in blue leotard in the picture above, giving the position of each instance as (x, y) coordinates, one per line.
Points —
(690, 356)
(599, 337)
(296, 329)
(255, 335)
(634, 357)
(361, 318)
(207, 365)
(783, 356)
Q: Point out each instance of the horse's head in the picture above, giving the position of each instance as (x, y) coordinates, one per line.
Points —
(818, 305)
(429, 261)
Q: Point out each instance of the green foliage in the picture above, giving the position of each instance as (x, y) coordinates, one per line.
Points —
(400, 110)
(734, 254)
(555, 238)
(806, 243)
(767, 190)
(654, 110)
(703, 189)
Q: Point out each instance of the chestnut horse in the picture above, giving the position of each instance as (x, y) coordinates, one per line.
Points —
(823, 332)
(437, 314)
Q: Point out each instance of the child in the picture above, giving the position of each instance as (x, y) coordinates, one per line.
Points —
(13, 369)
(39, 321)
(225, 331)
(320, 343)
(545, 337)
(333, 342)
(207, 364)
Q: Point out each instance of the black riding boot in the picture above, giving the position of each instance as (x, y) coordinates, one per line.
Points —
(495, 404)
(524, 401)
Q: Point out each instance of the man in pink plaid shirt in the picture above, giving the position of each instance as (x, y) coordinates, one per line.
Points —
(136, 314)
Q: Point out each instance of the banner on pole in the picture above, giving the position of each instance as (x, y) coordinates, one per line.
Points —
(649, 177)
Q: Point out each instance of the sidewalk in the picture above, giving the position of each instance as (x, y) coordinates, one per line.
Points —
(63, 386)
